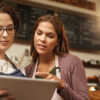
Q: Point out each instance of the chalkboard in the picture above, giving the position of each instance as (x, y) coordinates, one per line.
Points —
(82, 32)
(27, 15)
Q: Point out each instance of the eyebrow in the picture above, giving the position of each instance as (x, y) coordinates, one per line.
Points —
(39, 30)
(7, 25)
(10, 25)
(47, 32)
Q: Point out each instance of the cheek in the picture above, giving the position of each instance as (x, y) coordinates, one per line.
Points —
(53, 44)
(35, 37)
(12, 37)
(35, 40)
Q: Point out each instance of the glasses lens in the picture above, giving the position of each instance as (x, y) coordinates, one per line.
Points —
(10, 29)
(1, 30)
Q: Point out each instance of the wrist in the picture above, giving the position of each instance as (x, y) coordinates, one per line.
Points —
(60, 86)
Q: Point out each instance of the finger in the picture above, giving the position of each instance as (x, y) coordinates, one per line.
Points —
(50, 77)
(3, 92)
(43, 74)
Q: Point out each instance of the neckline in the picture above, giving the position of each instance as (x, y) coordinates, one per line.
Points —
(3, 60)
(56, 64)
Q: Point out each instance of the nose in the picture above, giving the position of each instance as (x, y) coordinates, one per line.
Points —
(5, 34)
(43, 38)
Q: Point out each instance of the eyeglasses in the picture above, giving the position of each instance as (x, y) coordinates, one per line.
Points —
(9, 30)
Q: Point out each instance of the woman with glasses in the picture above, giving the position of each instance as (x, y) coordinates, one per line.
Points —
(52, 61)
(9, 25)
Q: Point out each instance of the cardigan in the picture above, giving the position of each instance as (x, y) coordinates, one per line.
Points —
(73, 74)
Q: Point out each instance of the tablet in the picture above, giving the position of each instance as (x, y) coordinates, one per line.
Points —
(28, 88)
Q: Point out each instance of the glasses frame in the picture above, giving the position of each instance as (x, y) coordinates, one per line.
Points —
(7, 29)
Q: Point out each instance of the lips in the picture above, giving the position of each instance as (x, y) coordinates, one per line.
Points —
(40, 46)
(5, 42)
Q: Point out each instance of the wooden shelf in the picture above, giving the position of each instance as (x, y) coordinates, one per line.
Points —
(56, 6)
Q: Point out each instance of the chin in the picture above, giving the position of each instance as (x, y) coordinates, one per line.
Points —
(3, 48)
(41, 52)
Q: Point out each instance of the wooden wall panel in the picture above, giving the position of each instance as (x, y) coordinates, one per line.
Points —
(79, 3)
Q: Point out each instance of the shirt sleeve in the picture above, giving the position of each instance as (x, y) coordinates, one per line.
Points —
(78, 89)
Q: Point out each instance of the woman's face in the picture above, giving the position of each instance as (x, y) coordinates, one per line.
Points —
(7, 31)
(45, 38)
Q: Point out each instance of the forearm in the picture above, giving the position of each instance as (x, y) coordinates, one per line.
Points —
(68, 94)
